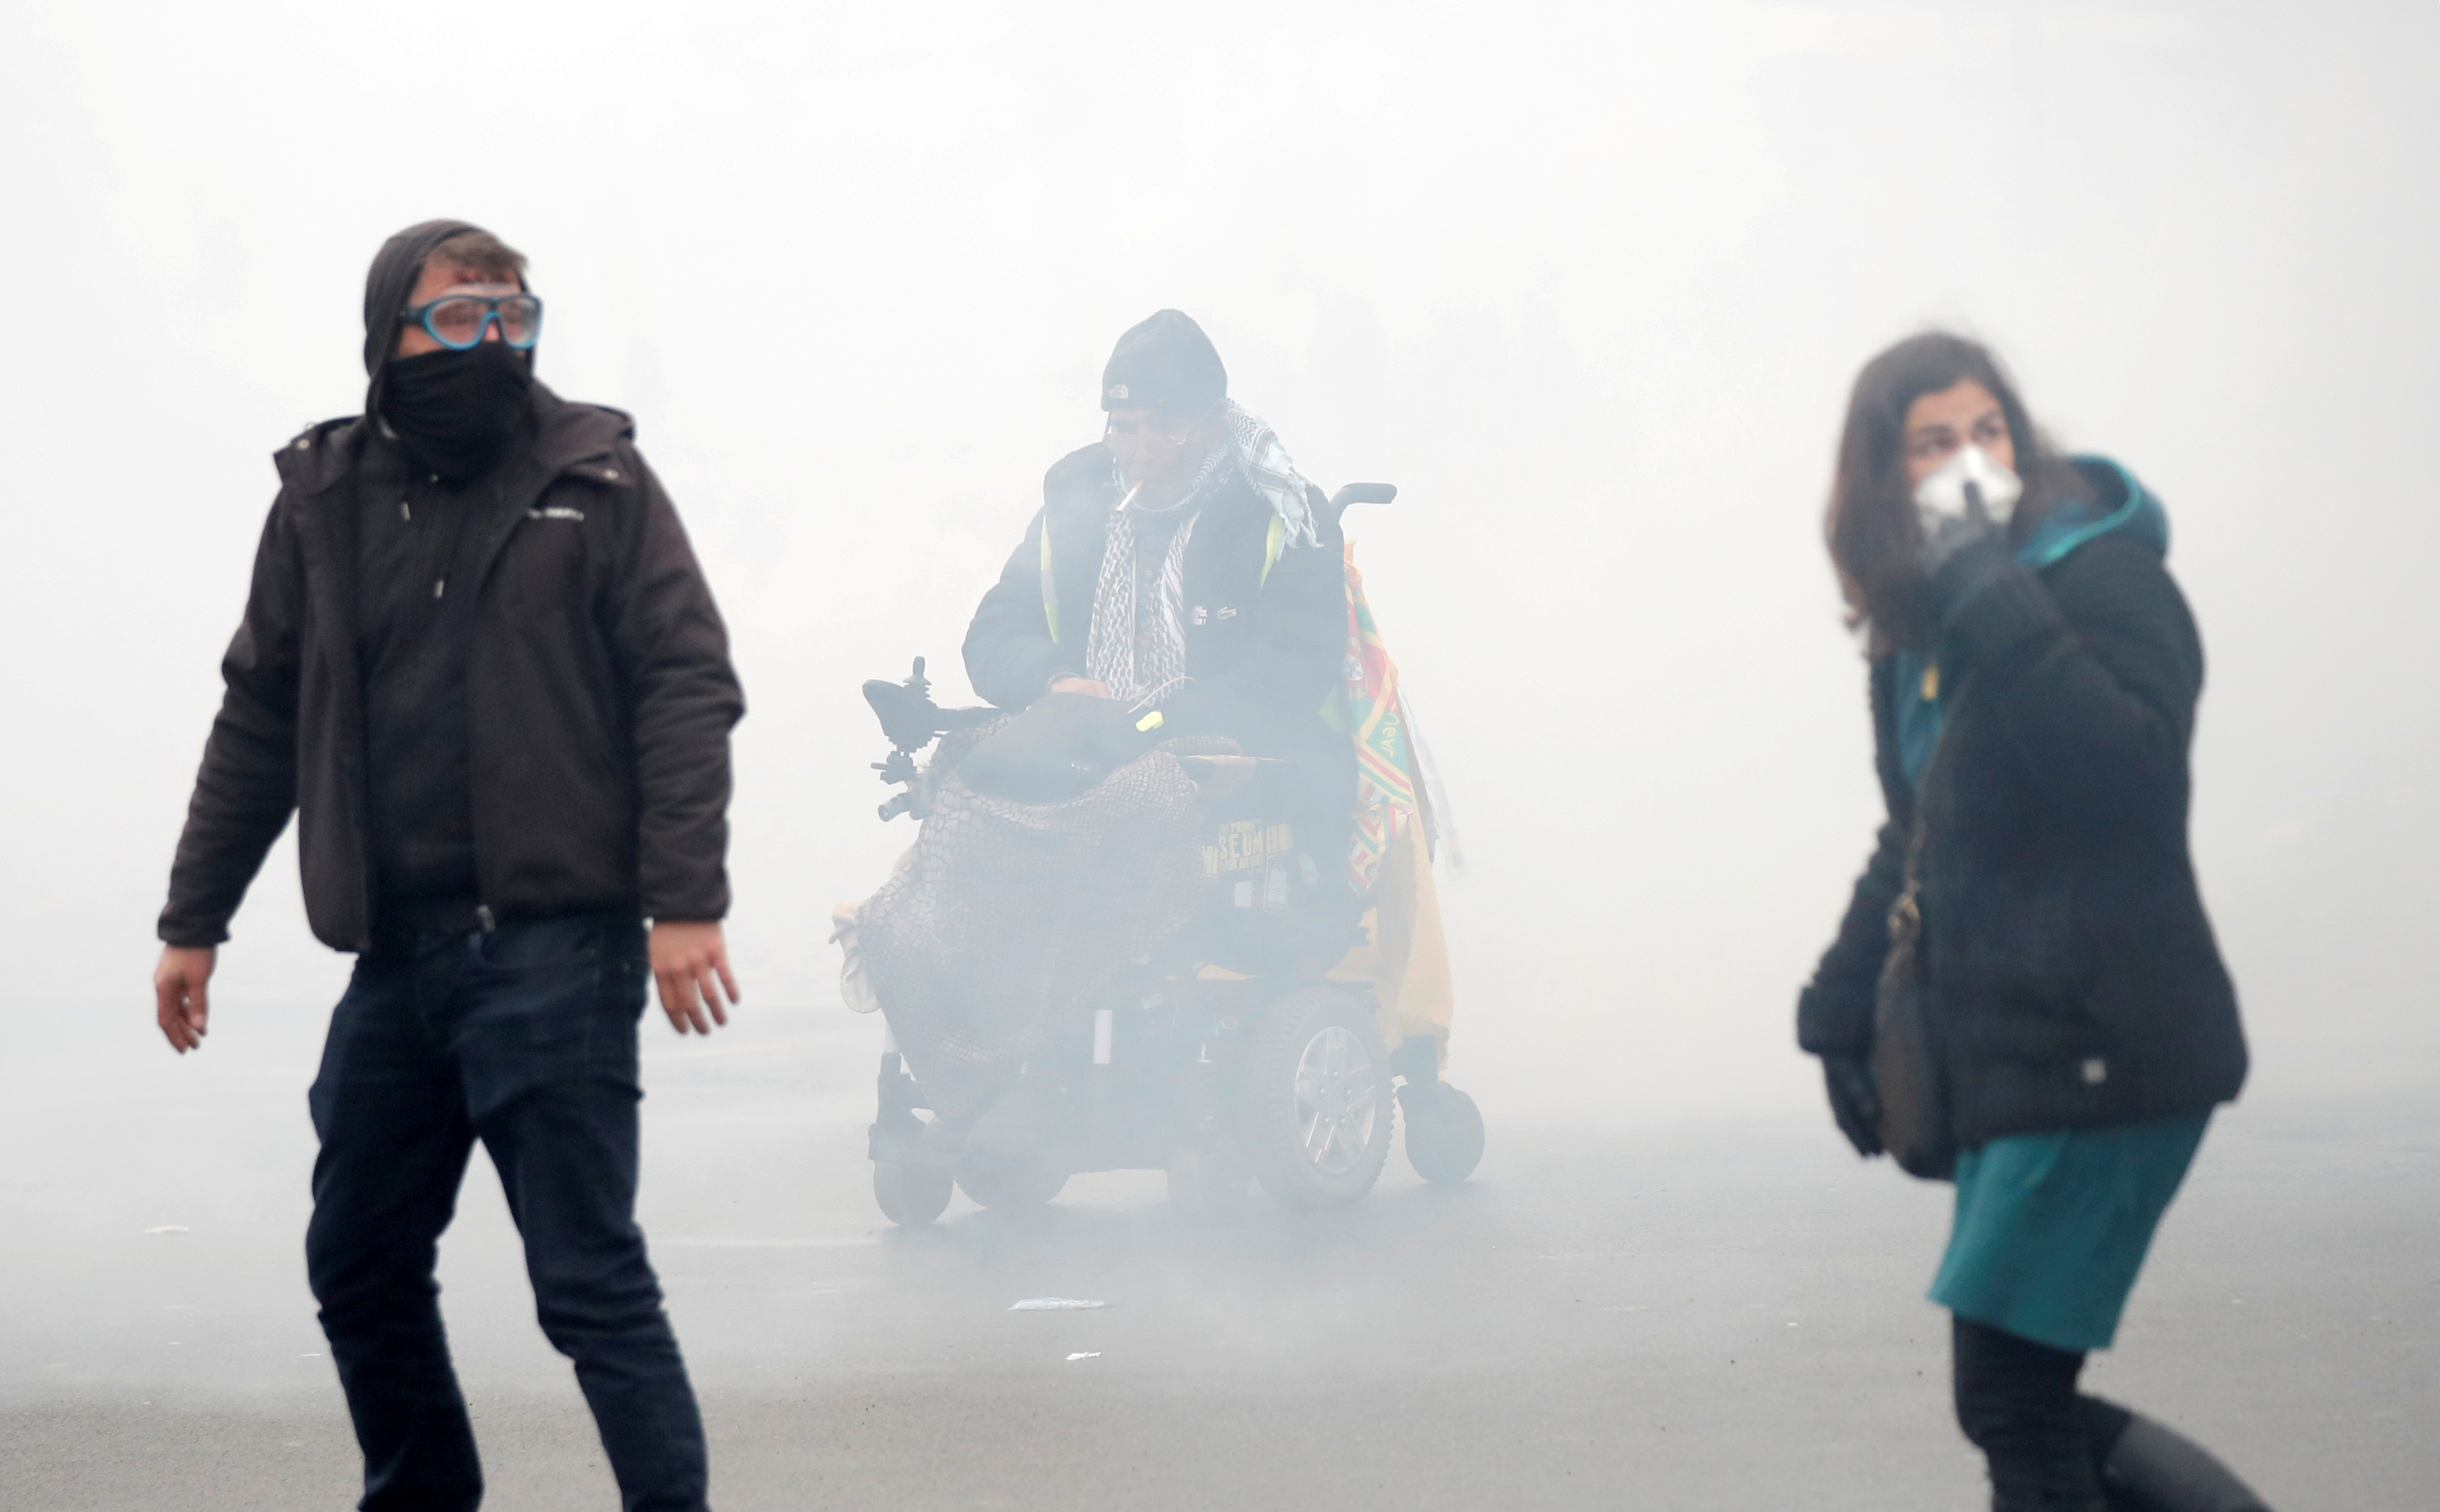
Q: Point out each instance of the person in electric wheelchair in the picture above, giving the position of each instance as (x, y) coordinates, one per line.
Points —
(1182, 563)
(1107, 948)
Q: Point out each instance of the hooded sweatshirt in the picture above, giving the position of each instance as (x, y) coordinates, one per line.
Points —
(388, 285)
(413, 542)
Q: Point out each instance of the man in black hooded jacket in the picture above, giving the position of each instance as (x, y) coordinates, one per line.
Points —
(480, 664)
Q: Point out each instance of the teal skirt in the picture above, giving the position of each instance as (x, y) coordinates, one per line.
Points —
(2052, 1227)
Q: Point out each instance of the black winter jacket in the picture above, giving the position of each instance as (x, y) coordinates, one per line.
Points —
(1264, 648)
(2070, 969)
(598, 691)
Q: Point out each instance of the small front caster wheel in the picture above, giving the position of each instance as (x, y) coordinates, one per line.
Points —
(1443, 1130)
(911, 1195)
(1008, 1188)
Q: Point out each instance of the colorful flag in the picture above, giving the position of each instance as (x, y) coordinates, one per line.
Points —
(1385, 761)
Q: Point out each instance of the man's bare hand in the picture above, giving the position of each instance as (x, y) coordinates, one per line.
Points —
(690, 964)
(1081, 684)
(181, 1002)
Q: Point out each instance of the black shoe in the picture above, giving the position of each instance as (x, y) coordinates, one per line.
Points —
(2152, 1468)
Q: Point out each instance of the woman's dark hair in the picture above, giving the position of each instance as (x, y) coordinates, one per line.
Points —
(1876, 541)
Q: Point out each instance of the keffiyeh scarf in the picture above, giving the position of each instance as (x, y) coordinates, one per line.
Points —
(1137, 645)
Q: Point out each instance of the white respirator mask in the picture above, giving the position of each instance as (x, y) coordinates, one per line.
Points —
(1970, 486)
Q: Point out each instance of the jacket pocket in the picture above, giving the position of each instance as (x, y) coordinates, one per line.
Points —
(546, 567)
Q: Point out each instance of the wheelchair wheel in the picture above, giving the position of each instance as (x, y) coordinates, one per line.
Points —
(1315, 1107)
(1443, 1131)
(1011, 1188)
(910, 1195)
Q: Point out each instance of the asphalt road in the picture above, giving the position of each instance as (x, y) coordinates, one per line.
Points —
(1720, 1314)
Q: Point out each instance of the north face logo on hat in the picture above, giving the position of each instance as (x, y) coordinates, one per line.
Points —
(1116, 391)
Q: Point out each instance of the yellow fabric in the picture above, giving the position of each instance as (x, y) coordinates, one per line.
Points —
(1406, 959)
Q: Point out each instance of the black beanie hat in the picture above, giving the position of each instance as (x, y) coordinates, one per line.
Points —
(1165, 363)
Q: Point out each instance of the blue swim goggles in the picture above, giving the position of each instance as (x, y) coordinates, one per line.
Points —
(459, 321)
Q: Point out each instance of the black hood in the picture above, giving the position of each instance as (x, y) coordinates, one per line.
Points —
(388, 285)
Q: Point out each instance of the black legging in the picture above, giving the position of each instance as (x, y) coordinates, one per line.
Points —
(2018, 1402)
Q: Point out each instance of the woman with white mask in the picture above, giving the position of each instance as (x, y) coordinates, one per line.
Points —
(2025, 996)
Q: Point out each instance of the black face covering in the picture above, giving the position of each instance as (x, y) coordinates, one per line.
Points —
(455, 410)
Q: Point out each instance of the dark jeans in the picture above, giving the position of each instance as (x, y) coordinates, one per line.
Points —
(2017, 1404)
(524, 1037)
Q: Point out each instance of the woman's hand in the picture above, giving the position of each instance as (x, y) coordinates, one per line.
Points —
(1967, 499)
(1855, 1101)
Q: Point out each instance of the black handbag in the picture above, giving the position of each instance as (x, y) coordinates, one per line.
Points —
(1908, 1071)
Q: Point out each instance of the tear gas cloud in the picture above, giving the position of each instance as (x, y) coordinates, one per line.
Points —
(1589, 284)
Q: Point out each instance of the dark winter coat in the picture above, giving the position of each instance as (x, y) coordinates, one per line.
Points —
(2071, 971)
(1265, 642)
(599, 693)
